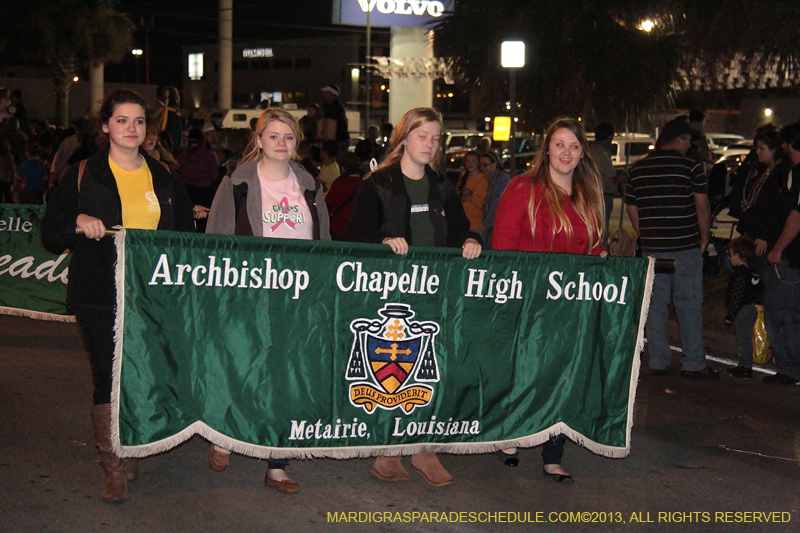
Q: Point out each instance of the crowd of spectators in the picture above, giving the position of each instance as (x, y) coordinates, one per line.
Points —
(561, 205)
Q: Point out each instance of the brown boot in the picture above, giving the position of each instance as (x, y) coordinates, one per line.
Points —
(218, 460)
(428, 466)
(131, 469)
(115, 485)
(389, 469)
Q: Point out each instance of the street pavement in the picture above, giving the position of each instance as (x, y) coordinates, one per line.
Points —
(699, 450)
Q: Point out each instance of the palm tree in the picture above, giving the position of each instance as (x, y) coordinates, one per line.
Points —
(581, 61)
(67, 35)
(590, 59)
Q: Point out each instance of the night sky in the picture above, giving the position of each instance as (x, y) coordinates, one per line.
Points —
(180, 22)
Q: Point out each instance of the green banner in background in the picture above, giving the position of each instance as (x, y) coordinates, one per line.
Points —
(282, 348)
(33, 281)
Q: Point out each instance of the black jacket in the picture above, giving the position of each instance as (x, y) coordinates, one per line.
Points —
(91, 271)
(382, 209)
(756, 220)
(744, 287)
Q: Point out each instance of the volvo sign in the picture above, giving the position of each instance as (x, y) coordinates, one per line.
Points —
(409, 13)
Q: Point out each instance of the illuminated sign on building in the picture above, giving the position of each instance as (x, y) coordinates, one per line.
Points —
(502, 128)
(414, 13)
(256, 52)
(196, 66)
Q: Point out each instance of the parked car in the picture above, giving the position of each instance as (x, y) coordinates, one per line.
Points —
(458, 140)
(523, 162)
(737, 150)
(717, 142)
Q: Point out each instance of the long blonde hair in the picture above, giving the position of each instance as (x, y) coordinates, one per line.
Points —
(587, 189)
(271, 113)
(412, 120)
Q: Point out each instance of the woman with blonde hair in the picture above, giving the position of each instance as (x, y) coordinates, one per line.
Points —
(269, 195)
(403, 202)
(152, 145)
(557, 206)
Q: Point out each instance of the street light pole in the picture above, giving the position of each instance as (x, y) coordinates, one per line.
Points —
(512, 148)
(368, 61)
(512, 57)
(137, 53)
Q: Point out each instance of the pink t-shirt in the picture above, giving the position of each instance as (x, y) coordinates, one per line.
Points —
(286, 214)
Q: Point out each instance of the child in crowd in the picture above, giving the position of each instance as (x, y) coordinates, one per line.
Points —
(745, 290)
(32, 176)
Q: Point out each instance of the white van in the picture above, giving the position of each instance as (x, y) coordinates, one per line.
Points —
(235, 118)
(240, 118)
(628, 148)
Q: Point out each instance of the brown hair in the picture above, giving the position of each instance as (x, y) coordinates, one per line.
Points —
(412, 120)
(117, 98)
(745, 247)
(587, 190)
(270, 114)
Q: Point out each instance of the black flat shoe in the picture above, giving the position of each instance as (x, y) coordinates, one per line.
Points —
(741, 372)
(509, 459)
(780, 379)
(706, 373)
(558, 478)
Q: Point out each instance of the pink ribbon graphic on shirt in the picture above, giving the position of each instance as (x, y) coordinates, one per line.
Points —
(285, 210)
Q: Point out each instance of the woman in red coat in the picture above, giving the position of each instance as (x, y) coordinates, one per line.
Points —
(555, 207)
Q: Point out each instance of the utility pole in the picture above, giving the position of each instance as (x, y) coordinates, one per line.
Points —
(225, 53)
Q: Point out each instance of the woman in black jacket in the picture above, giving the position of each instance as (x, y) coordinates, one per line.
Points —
(403, 202)
(120, 185)
(761, 192)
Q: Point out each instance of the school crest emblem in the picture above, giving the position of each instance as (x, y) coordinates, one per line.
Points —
(392, 361)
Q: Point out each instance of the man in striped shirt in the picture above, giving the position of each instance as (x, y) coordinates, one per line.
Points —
(667, 203)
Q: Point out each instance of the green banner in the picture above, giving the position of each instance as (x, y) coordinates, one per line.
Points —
(282, 348)
(33, 281)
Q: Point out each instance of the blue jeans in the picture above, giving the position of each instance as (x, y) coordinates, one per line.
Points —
(744, 321)
(685, 289)
(553, 449)
(782, 318)
(608, 200)
(280, 464)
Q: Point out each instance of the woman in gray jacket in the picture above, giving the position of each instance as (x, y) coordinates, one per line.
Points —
(269, 195)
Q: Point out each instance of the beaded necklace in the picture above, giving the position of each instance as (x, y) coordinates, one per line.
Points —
(750, 196)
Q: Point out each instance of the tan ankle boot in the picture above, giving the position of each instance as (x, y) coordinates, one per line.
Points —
(115, 484)
(389, 469)
(218, 460)
(428, 466)
(131, 469)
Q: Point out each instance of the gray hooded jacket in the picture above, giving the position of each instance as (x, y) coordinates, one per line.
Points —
(222, 218)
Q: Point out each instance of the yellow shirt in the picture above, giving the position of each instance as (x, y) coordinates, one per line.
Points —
(473, 201)
(140, 207)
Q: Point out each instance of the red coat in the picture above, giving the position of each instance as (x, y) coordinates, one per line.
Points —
(512, 226)
(339, 201)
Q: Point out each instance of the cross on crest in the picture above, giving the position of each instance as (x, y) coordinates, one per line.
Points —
(395, 330)
(394, 351)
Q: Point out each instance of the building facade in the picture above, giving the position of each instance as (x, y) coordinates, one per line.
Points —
(274, 72)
